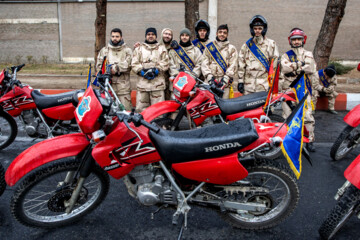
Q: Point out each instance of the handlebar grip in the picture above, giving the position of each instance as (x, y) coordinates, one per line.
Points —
(153, 128)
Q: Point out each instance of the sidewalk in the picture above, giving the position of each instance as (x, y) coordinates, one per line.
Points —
(348, 88)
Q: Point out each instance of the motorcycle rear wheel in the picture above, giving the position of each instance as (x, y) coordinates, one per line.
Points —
(263, 174)
(8, 129)
(2, 180)
(39, 200)
(343, 210)
(341, 147)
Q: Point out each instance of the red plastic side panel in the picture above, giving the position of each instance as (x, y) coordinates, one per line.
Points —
(159, 109)
(352, 173)
(121, 151)
(353, 117)
(223, 170)
(254, 114)
(265, 132)
(202, 106)
(45, 152)
(63, 112)
(88, 111)
(17, 100)
(289, 96)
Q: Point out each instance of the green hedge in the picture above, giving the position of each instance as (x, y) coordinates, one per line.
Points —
(340, 68)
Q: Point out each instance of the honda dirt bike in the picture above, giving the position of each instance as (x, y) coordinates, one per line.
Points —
(43, 116)
(66, 177)
(199, 101)
(349, 138)
(348, 197)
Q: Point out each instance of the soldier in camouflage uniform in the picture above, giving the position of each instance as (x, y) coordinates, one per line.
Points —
(191, 51)
(327, 87)
(119, 55)
(253, 75)
(166, 38)
(202, 30)
(211, 69)
(150, 61)
(291, 68)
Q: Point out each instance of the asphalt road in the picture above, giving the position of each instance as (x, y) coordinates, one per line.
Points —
(120, 217)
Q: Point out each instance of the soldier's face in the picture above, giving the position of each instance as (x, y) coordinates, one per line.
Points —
(167, 36)
(222, 34)
(184, 37)
(202, 33)
(115, 37)
(258, 30)
(297, 42)
(150, 37)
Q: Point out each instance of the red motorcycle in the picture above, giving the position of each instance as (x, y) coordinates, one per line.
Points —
(66, 177)
(43, 116)
(199, 102)
(348, 197)
(349, 138)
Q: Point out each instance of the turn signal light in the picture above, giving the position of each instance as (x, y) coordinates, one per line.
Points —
(98, 136)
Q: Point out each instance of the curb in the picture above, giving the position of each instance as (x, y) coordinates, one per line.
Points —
(344, 101)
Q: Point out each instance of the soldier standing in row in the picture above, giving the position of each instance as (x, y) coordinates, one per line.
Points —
(202, 30)
(150, 61)
(186, 54)
(166, 38)
(255, 58)
(292, 63)
(324, 84)
(220, 60)
(119, 55)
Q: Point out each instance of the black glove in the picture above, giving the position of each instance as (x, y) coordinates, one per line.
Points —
(216, 90)
(174, 44)
(212, 82)
(241, 87)
(290, 74)
(221, 84)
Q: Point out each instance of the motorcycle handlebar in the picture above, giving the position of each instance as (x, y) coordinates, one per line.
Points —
(137, 119)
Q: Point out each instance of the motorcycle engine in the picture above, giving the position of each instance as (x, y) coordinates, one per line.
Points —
(149, 186)
(33, 124)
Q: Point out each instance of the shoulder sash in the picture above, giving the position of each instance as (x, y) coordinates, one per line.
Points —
(216, 55)
(256, 51)
(199, 44)
(323, 79)
(185, 58)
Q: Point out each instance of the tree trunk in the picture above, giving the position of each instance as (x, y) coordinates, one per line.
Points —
(100, 26)
(191, 15)
(334, 13)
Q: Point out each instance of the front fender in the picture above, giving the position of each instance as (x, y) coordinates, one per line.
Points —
(352, 173)
(159, 109)
(44, 152)
(353, 117)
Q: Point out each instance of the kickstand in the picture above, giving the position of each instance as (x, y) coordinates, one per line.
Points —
(183, 227)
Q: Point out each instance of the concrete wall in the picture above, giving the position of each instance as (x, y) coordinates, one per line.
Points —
(41, 40)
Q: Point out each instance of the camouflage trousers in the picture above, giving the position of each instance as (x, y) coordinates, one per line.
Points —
(146, 99)
(309, 120)
(331, 98)
(123, 95)
(249, 88)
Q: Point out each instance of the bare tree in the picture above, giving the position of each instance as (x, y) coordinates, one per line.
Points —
(334, 13)
(191, 14)
(100, 26)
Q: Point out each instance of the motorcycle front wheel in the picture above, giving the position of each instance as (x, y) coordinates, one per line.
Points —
(343, 145)
(8, 129)
(347, 205)
(274, 186)
(39, 199)
(2, 180)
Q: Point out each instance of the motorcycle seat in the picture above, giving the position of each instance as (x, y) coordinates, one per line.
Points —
(43, 101)
(240, 104)
(204, 143)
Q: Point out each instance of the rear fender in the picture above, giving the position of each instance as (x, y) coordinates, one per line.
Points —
(44, 152)
(289, 96)
(353, 117)
(352, 173)
(159, 109)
